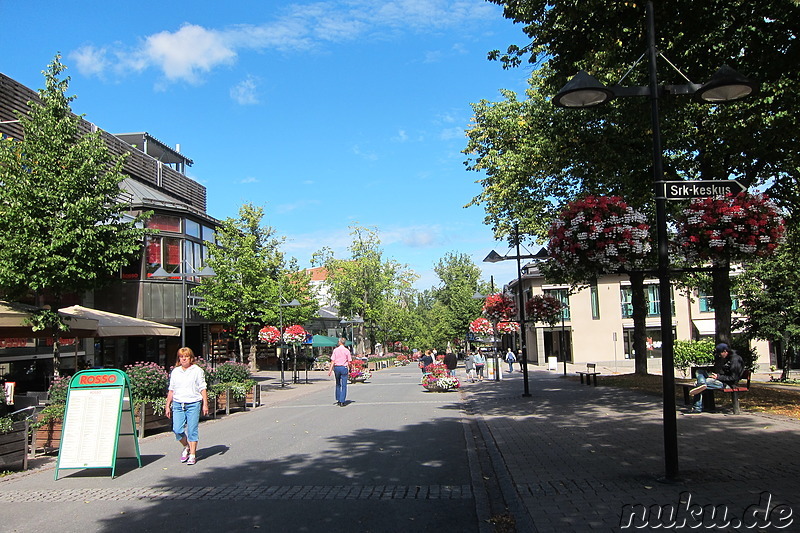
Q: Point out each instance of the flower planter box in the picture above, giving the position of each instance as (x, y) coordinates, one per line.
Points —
(14, 447)
(359, 379)
(48, 436)
(148, 421)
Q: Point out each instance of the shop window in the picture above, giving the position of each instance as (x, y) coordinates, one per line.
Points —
(164, 223)
(563, 296)
(192, 228)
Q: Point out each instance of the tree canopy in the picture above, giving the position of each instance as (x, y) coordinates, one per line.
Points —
(63, 226)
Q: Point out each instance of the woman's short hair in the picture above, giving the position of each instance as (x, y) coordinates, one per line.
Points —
(184, 351)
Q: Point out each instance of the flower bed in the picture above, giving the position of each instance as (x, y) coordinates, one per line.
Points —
(436, 379)
(358, 372)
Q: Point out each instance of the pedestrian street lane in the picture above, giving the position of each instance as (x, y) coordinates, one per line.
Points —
(393, 459)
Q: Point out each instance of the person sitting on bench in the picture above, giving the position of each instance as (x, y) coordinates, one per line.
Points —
(728, 368)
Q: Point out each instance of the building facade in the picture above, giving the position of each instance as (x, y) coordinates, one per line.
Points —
(155, 181)
(597, 323)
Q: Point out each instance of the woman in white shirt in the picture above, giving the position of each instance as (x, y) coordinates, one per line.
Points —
(186, 398)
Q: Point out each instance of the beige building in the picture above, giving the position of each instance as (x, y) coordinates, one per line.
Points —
(597, 326)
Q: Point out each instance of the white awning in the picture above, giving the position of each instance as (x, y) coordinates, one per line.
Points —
(14, 323)
(705, 326)
(114, 325)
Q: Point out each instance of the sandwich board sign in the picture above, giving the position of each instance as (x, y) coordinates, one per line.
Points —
(98, 426)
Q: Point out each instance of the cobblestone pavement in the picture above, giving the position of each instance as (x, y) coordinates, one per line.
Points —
(584, 458)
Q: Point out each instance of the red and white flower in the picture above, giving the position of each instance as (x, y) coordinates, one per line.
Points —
(294, 334)
(269, 335)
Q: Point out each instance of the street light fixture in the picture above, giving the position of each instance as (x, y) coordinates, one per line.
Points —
(355, 320)
(494, 257)
(205, 272)
(725, 86)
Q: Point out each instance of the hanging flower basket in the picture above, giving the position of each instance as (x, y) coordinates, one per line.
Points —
(732, 227)
(507, 327)
(544, 308)
(499, 307)
(481, 326)
(269, 335)
(294, 334)
(599, 234)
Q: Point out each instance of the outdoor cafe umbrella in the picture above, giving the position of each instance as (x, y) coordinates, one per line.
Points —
(114, 325)
(323, 341)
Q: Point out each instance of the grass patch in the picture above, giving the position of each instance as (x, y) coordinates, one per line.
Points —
(762, 397)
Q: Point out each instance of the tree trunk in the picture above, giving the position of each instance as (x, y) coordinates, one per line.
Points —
(240, 355)
(639, 304)
(721, 292)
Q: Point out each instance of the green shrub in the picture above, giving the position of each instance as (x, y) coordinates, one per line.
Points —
(230, 372)
(693, 353)
(57, 393)
(148, 380)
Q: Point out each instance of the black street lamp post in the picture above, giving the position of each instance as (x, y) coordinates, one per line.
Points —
(585, 91)
(494, 257)
(281, 305)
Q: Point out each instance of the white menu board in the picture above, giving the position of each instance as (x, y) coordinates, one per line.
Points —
(90, 428)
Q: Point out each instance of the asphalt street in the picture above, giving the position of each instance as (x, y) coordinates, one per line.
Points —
(394, 459)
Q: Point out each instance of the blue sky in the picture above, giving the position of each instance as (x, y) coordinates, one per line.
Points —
(326, 114)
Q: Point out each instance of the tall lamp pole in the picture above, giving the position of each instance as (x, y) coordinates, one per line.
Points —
(585, 91)
(494, 257)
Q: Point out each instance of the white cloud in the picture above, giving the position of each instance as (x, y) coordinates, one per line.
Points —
(249, 179)
(193, 51)
(244, 92)
(369, 156)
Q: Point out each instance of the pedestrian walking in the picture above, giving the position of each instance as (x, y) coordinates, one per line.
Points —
(480, 364)
(451, 362)
(426, 360)
(469, 366)
(510, 359)
(340, 367)
(186, 398)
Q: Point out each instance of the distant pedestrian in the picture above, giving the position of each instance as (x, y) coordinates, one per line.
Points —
(451, 362)
(340, 366)
(510, 359)
(469, 366)
(186, 398)
(480, 364)
(426, 360)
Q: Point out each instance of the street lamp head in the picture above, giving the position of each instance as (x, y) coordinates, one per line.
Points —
(478, 296)
(293, 303)
(583, 91)
(207, 271)
(493, 257)
(160, 273)
(726, 85)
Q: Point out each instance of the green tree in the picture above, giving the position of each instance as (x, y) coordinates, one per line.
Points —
(750, 141)
(365, 283)
(63, 227)
(766, 299)
(251, 280)
(459, 282)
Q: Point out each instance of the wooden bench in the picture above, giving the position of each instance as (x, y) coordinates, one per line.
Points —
(591, 372)
(708, 394)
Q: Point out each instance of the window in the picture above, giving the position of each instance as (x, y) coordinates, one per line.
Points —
(563, 296)
(162, 251)
(192, 228)
(164, 223)
(209, 235)
(651, 295)
(595, 302)
(707, 302)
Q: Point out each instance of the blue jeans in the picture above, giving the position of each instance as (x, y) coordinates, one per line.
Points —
(510, 367)
(711, 383)
(342, 373)
(186, 415)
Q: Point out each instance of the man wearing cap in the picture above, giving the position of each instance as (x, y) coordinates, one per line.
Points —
(728, 368)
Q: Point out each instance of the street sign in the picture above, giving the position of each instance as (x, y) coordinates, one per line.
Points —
(686, 190)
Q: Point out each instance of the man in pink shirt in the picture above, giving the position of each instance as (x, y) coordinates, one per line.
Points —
(340, 366)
